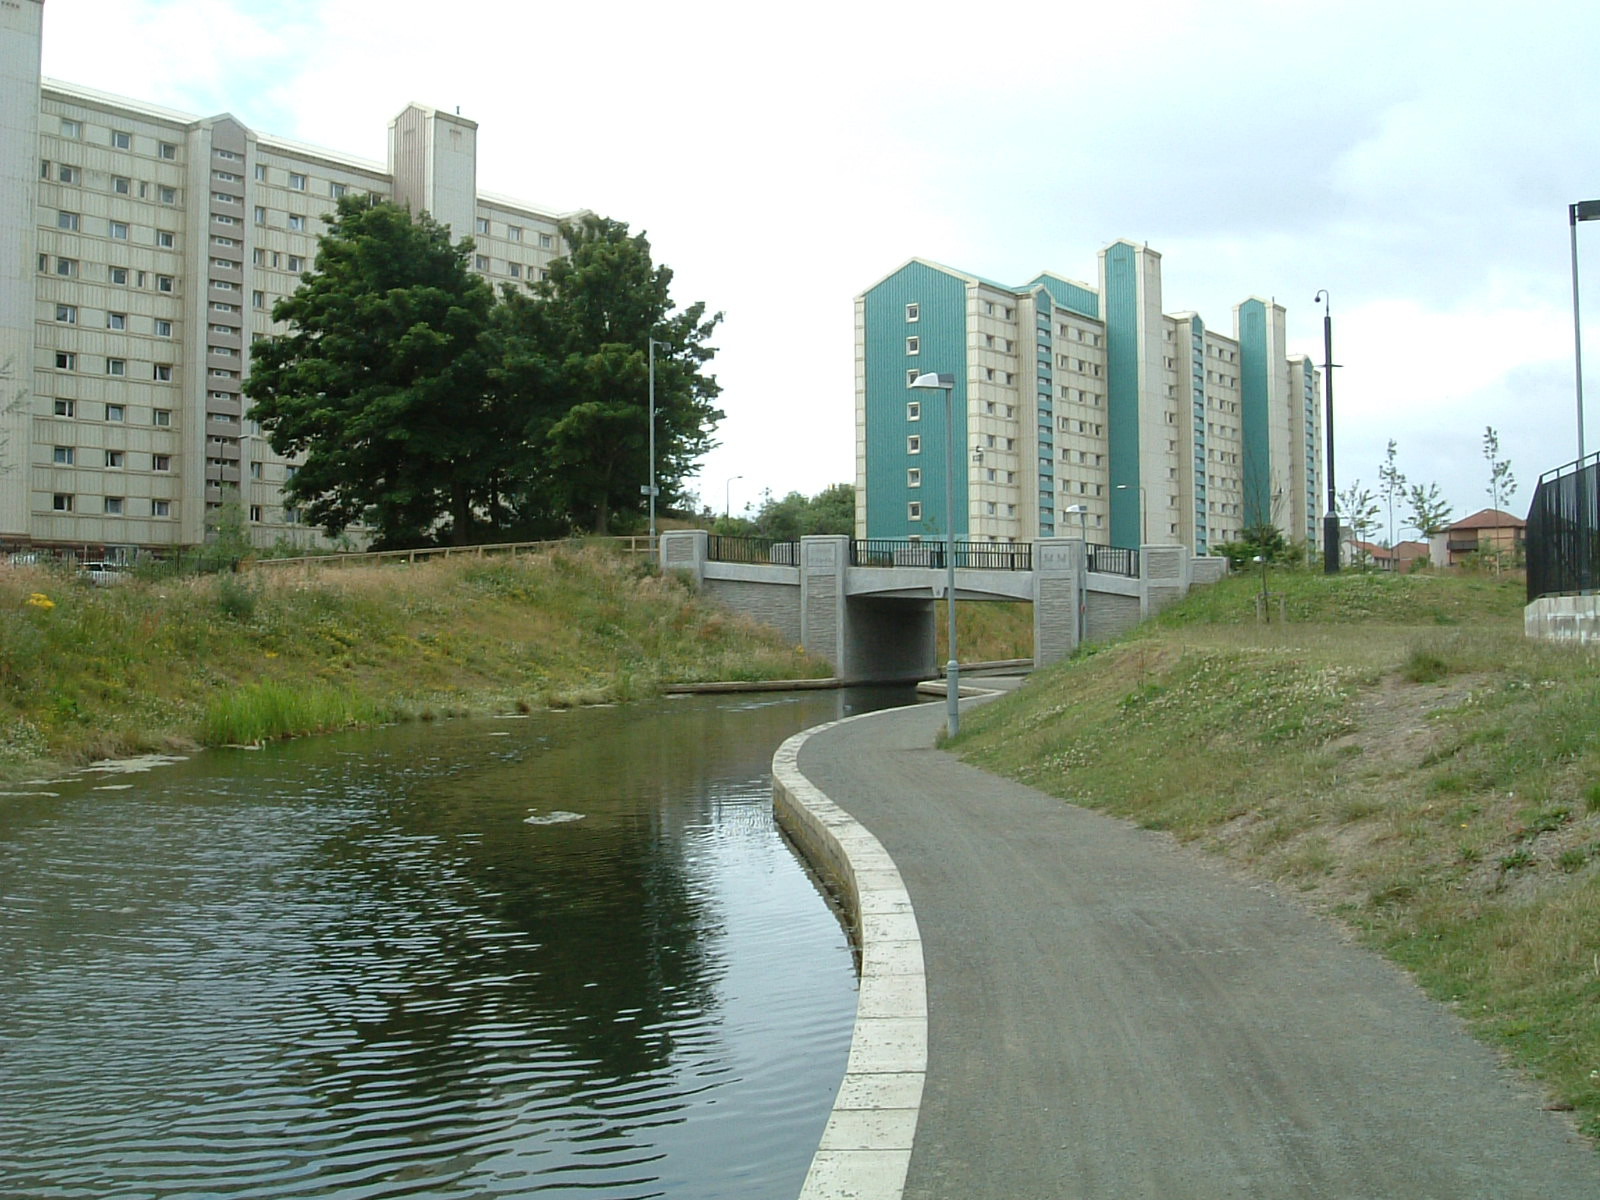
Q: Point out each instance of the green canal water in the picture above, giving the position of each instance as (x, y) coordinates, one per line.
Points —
(562, 955)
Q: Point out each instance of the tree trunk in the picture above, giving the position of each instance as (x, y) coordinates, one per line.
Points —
(460, 513)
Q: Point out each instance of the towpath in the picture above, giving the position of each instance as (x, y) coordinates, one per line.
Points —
(1111, 1016)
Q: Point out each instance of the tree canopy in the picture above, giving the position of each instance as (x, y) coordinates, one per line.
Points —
(427, 408)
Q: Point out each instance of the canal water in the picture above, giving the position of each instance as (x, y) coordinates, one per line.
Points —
(561, 955)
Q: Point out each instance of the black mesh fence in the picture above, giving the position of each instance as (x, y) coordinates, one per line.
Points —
(1564, 531)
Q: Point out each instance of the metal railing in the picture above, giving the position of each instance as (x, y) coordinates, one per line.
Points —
(636, 544)
(760, 551)
(903, 552)
(1563, 535)
(1114, 560)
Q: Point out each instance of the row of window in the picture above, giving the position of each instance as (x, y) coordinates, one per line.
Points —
(72, 268)
(121, 185)
(115, 460)
(514, 233)
(67, 360)
(114, 506)
(119, 231)
(481, 262)
(67, 314)
(63, 407)
(120, 139)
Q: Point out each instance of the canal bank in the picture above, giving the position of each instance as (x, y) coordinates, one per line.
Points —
(1107, 1015)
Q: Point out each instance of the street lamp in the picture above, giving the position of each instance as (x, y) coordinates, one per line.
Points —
(1330, 523)
(650, 488)
(727, 496)
(952, 672)
(1144, 510)
(1584, 210)
(1083, 568)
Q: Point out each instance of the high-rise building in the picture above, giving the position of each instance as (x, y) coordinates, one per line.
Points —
(141, 252)
(1079, 408)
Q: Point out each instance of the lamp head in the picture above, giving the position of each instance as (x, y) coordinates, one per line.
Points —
(933, 380)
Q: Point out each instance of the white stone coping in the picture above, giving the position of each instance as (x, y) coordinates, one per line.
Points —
(866, 1146)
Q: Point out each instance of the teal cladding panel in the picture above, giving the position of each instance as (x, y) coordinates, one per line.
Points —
(1070, 296)
(1122, 389)
(941, 329)
(1255, 364)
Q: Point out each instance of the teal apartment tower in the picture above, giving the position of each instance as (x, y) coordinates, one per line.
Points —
(1079, 409)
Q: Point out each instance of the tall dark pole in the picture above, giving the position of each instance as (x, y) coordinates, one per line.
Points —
(1330, 523)
(1584, 210)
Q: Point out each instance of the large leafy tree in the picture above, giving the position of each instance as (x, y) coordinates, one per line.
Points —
(577, 353)
(382, 381)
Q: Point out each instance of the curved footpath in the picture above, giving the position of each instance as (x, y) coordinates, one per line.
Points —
(1109, 1015)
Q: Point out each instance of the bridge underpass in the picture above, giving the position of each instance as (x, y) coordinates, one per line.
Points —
(871, 607)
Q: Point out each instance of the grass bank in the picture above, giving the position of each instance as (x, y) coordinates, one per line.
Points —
(1397, 754)
(152, 665)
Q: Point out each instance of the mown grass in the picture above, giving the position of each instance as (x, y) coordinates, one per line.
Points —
(153, 665)
(1398, 754)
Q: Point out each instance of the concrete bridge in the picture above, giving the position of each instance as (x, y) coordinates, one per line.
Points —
(871, 607)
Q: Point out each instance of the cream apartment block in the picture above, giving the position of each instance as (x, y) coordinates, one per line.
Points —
(1079, 409)
(141, 252)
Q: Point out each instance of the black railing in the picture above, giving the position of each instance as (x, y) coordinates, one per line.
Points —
(903, 552)
(1114, 560)
(1563, 536)
(763, 551)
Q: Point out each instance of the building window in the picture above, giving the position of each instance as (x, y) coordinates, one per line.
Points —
(121, 139)
(114, 459)
(67, 313)
(114, 505)
(913, 345)
(61, 502)
(167, 151)
(119, 230)
(913, 410)
(169, 195)
(116, 320)
(163, 329)
(913, 444)
(161, 416)
(115, 412)
(165, 283)
(914, 511)
(546, 241)
(119, 275)
(261, 215)
(514, 232)
(914, 477)
(68, 221)
(68, 174)
(516, 270)
(297, 263)
(255, 512)
(297, 181)
(913, 312)
(255, 470)
(483, 225)
(336, 190)
(163, 373)
(161, 508)
(297, 223)
(62, 455)
(66, 266)
(66, 360)
(161, 462)
(480, 262)
(66, 408)
(116, 366)
(166, 239)
(121, 186)
(258, 299)
(71, 128)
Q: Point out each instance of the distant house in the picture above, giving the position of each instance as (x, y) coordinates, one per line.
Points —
(1406, 555)
(1487, 531)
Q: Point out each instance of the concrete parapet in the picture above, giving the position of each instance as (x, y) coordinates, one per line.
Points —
(1207, 568)
(1563, 619)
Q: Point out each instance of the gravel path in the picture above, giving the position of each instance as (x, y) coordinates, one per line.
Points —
(1110, 1016)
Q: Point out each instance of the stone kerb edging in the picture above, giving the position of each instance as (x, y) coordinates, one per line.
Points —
(866, 1146)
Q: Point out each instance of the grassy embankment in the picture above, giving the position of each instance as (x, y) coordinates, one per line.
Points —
(1397, 754)
(156, 665)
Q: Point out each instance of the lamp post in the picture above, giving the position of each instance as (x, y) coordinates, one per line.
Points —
(952, 671)
(727, 496)
(1144, 511)
(650, 488)
(1584, 210)
(1083, 567)
(1330, 523)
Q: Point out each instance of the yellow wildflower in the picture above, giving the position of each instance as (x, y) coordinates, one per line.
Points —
(40, 600)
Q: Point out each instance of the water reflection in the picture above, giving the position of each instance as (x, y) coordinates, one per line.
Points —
(351, 967)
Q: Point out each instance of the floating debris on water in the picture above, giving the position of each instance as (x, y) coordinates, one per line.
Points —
(553, 818)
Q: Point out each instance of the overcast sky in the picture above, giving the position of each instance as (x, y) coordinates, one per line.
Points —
(1414, 158)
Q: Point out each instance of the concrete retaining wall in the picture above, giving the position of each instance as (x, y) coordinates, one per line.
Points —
(1563, 619)
(778, 607)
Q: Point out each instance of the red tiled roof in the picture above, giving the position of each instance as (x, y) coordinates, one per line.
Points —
(1489, 518)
